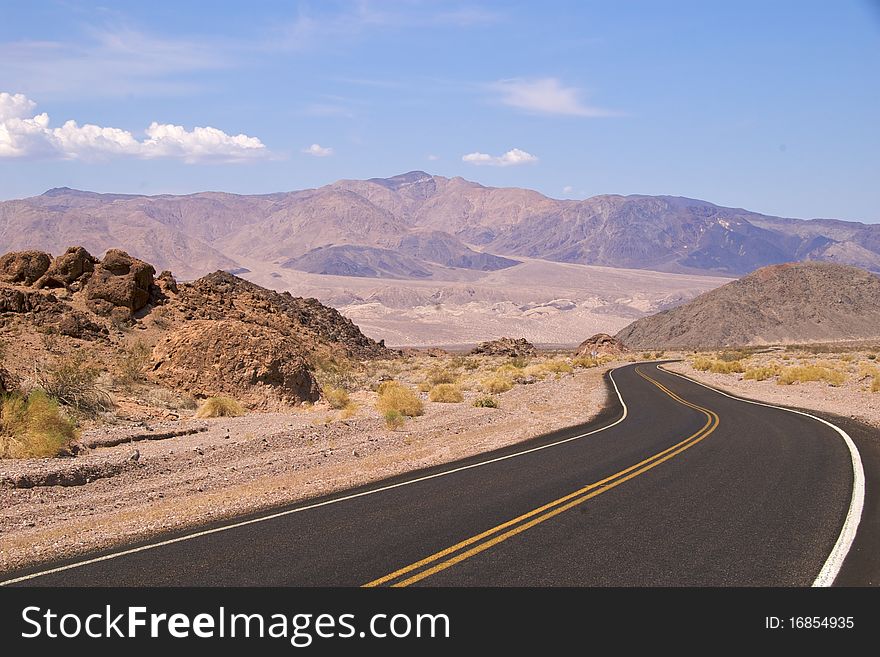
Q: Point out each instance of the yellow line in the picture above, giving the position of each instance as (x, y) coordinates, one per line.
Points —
(578, 497)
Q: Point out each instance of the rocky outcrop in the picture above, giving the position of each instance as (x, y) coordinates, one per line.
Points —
(120, 281)
(68, 269)
(14, 300)
(509, 347)
(23, 267)
(8, 382)
(223, 296)
(601, 344)
(257, 365)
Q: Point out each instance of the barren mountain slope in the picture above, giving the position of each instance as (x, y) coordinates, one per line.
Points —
(789, 303)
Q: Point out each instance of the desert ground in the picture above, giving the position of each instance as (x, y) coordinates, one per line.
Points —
(841, 378)
(548, 303)
(127, 485)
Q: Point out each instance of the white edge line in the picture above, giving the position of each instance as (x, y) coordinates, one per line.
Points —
(288, 512)
(834, 562)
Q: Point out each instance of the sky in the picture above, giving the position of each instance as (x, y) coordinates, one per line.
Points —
(771, 106)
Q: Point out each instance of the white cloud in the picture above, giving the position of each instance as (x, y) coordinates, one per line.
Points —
(545, 96)
(568, 189)
(24, 134)
(318, 151)
(433, 158)
(513, 157)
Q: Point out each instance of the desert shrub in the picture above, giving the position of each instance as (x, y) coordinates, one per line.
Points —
(132, 363)
(334, 373)
(761, 372)
(870, 356)
(220, 407)
(440, 375)
(337, 397)
(33, 427)
(393, 419)
(584, 362)
(486, 402)
(395, 397)
(519, 362)
(536, 371)
(508, 370)
(847, 358)
(72, 380)
(875, 384)
(446, 393)
(557, 366)
(704, 364)
(496, 384)
(806, 373)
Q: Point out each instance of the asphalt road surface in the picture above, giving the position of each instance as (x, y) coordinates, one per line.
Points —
(676, 485)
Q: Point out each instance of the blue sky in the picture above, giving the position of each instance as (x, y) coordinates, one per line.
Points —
(772, 106)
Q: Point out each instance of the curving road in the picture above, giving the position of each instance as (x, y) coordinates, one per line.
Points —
(676, 485)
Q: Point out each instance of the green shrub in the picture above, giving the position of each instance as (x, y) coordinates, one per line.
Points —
(132, 363)
(337, 398)
(72, 380)
(395, 397)
(486, 402)
(33, 427)
(446, 393)
(585, 362)
(393, 419)
(220, 407)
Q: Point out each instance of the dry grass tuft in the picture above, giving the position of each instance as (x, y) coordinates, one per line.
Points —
(486, 402)
(396, 397)
(496, 384)
(337, 397)
(393, 419)
(762, 372)
(33, 427)
(446, 393)
(220, 407)
(704, 364)
(807, 373)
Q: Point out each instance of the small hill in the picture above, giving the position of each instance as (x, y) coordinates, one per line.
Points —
(788, 303)
(600, 344)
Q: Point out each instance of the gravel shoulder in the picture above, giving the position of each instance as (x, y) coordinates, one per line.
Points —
(235, 466)
(853, 399)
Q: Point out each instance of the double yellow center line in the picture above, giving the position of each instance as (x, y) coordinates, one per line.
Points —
(467, 548)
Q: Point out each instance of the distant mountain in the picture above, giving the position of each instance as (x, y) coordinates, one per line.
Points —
(797, 302)
(434, 226)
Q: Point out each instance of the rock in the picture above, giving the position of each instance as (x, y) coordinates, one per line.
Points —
(13, 300)
(166, 282)
(257, 365)
(505, 347)
(79, 325)
(23, 267)
(73, 265)
(135, 455)
(120, 281)
(601, 344)
(8, 381)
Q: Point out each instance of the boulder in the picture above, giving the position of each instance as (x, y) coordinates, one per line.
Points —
(23, 267)
(73, 265)
(601, 344)
(13, 300)
(257, 365)
(120, 281)
(509, 347)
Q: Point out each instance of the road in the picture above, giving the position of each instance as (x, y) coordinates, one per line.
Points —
(677, 485)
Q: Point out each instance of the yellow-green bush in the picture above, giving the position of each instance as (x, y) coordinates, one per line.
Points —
(704, 364)
(761, 372)
(486, 402)
(132, 362)
(446, 393)
(337, 397)
(220, 407)
(806, 373)
(496, 384)
(585, 362)
(557, 366)
(441, 375)
(395, 397)
(33, 427)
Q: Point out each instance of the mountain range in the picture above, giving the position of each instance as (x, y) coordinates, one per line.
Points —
(418, 226)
